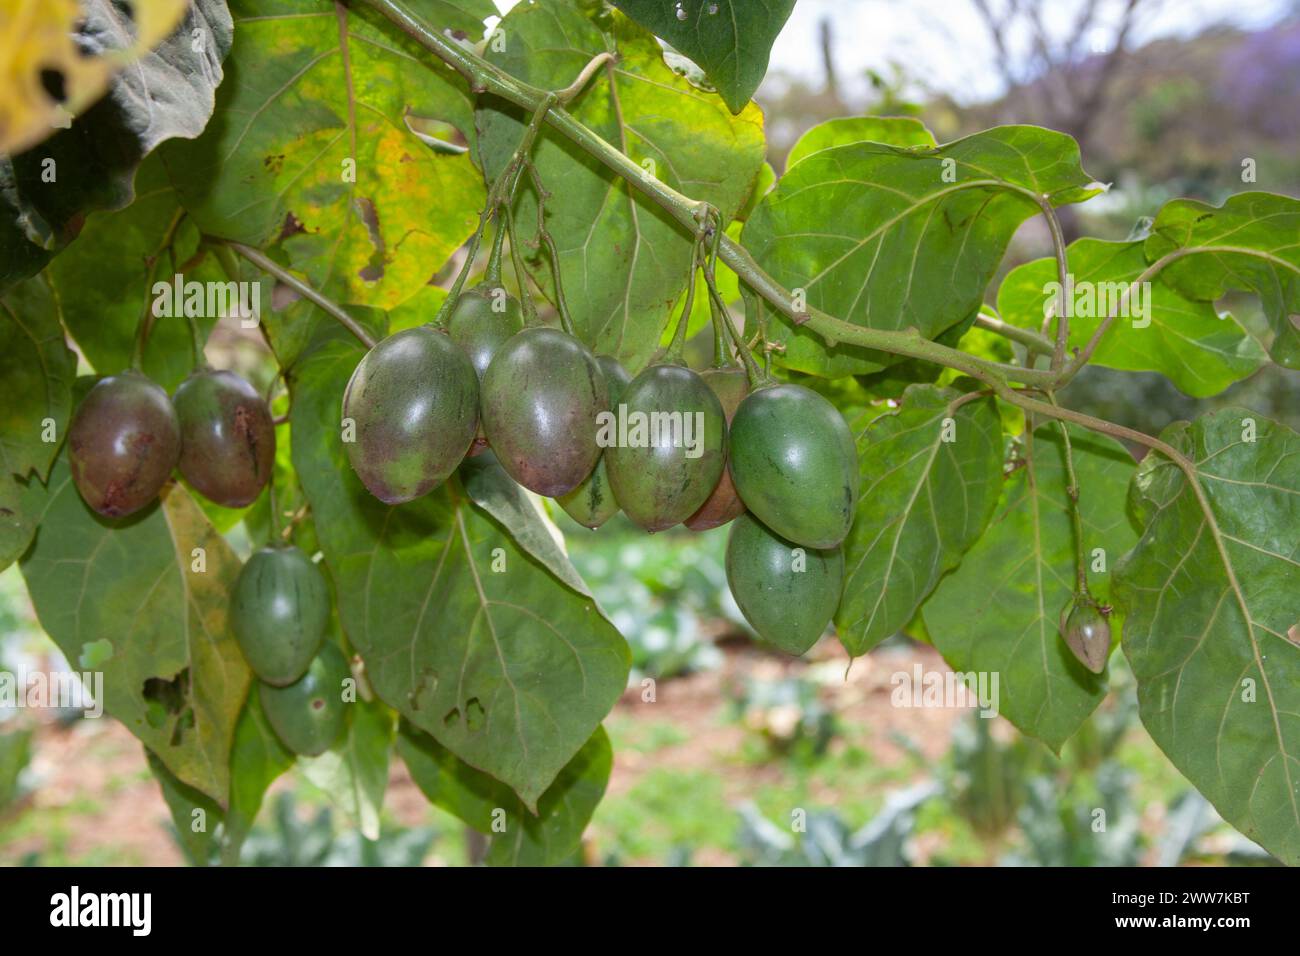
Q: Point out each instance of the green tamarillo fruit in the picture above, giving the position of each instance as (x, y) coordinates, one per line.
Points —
(731, 385)
(795, 465)
(227, 437)
(592, 503)
(279, 610)
(1087, 634)
(541, 396)
(123, 442)
(482, 319)
(413, 401)
(787, 593)
(667, 446)
(308, 715)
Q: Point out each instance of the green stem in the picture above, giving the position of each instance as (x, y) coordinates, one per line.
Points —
(552, 251)
(1062, 275)
(1026, 337)
(721, 355)
(144, 325)
(196, 342)
(1076, 518)
(521, 274)
(492, 275)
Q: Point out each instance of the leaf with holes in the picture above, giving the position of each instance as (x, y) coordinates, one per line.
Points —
(463, 630)
(931, 473)
(1213, 627)
(896, 238)
(998, 613)
(623, 261)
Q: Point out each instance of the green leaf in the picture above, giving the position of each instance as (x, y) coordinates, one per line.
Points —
(892, 238)
(730, 39)
(354, 772)
(999, 612)
(175, 676)
(1184, 339)
(1248, 243)
(168, 93)
(892, 130)
(931, 474)
(545, 839)
(307, 92)
(624, 262)
(1213, 620)
(463, 631)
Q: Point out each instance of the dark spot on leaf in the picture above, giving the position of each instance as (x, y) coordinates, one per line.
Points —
(52, 81)
(274, 163)
(374, 269)
(292, 226)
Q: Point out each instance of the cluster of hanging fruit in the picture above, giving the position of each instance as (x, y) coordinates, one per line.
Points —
(125, 440)
(424, 398)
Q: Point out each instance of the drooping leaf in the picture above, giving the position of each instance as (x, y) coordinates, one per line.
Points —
(931, 475)
(154, 587)
(896, 238)
(354, 772)
(544, 839)
(167, 92)
(463, 631)
(730, 39)
(1184, 339)
(624, 262)
(1213, 626)
(892, 130)
(999, 611)
(1248, 243)
(309, 148)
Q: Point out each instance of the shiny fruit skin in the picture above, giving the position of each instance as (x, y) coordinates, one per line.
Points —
(787, 607)
(731, 385)
(279, 610)
(1087, 634)
(657, 484)
(479, 328)
(123, 443)
(227, 437)
(414, 401)
(592, 503)
(308, 715)
(795, 464)
(541, 396)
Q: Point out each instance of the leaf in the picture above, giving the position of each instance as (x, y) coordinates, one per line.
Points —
(1210, 601)
(38, 370)
(931, 474)
(309, 148)
(509, 669)
(354, 772)
(999, 611)
(892, 130)
(624, 262)
(165, 93)
(547, 839)
(1248, 243)
(893, 238)
(1185, 340)
(175, 676)
(730, 39)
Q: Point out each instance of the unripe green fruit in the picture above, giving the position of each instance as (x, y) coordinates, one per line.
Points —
(661, 480)
(788, 594)
(731, 385)
(308, 715)
(123, 443)
(279, 610)
(1087, 634)
(592, 503)
(541, 396)
(795, 464)
(481, 321)
(227, 437)
(414, 402)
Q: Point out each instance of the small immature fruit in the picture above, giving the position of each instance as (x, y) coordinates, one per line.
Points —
(227, 437)
(731, 385)
(308, 715)
(787, 593)
(674, 450)
(592, 503)
(279, 610)
(1087, 634)
(123, 443)
(414, 402)
(795, 464)
(541, 396)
